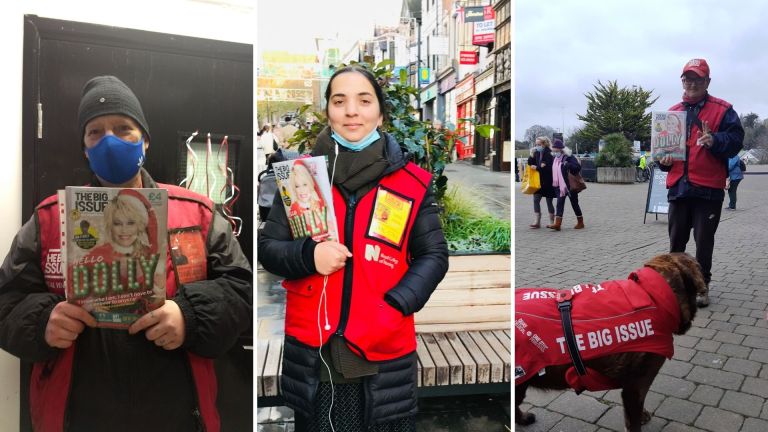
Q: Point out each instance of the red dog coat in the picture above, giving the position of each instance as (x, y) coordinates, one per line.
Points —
(638, 314)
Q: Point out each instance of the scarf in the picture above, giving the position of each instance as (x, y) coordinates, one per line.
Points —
(557, 176)
(355, 172)
(691, 101)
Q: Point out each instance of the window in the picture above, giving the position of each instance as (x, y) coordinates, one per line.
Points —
(212, 185)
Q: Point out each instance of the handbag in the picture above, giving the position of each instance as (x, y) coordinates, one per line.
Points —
(531, 181)
(576, 182)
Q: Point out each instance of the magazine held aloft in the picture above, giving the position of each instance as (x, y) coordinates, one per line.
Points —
(668, 134)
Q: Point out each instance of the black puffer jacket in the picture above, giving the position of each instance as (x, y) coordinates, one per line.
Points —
(390, 394)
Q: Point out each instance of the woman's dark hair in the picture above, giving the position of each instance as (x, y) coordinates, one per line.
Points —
(371, 79)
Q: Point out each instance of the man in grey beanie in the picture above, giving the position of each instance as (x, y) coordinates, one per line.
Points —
(114, 130)
(158, 375)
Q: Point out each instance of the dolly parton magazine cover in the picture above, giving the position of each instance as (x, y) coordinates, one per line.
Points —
(305, 191)
(113, 243)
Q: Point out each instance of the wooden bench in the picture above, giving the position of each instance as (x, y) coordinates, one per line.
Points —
(463, 335)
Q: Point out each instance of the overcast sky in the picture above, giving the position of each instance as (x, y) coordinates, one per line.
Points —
(293, 25)
(563, 47)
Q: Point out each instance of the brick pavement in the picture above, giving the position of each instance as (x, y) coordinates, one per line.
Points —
(718, 378)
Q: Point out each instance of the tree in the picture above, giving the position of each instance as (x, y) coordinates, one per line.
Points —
(755, 131)
(269, 112)
(617, 152)
(536, 131)
(749, 120)
(578, 140)
(611, 109)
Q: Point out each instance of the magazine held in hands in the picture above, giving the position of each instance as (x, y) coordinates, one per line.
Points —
(668, 134)
(113, 243)
(306, 195)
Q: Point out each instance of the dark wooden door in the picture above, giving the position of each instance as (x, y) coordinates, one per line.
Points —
(184, 84)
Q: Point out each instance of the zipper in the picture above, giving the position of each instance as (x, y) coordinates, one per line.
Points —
(346, 294)
(196, 410)
(198, 419)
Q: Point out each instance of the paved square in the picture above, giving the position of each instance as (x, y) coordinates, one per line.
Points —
(717, 380)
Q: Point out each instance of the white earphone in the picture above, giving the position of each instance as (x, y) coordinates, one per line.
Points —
(324, 304)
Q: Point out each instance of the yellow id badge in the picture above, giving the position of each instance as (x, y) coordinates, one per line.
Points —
(391, 213)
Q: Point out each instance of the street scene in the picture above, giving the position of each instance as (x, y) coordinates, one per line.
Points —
(611, 92)
(442, 72)
(718, 378)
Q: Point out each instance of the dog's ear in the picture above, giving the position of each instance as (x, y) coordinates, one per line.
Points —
(683, 274)
(693, 283)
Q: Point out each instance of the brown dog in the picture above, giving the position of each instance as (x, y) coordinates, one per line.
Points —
(633, 372)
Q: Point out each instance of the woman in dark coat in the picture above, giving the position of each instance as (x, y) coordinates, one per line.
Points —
(349, 356)
(541, 160)
(564, 162)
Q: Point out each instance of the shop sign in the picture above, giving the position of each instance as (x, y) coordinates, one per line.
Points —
(468, 57)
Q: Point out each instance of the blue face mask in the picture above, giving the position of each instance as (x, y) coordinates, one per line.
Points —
(360, 145)
(116, 160)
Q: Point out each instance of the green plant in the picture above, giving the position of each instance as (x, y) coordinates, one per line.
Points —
(304, 138)
(617, 152)
(470, 228)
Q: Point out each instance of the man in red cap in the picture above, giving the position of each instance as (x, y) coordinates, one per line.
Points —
(696, 185)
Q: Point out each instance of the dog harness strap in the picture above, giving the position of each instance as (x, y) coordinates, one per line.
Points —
(564, 306)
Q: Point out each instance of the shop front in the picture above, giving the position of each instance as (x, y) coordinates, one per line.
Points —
(465, 108)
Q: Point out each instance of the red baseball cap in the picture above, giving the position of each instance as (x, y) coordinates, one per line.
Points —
(697, 66)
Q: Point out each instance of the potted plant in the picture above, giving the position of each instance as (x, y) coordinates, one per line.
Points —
(614, 161)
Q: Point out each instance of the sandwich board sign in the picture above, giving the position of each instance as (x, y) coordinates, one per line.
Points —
(656, 202)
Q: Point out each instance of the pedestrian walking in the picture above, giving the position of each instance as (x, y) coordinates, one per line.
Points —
(541, 160)
(735, 175)
(349, 362)
(564, 162)
(696, 185)
(268, 142)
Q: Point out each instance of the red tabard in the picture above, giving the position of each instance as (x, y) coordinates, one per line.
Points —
(608, 318)
(380, 234)
(50, 381)
(704, 169)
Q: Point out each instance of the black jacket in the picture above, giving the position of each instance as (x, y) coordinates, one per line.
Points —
(542, 160)
(390, 394)
(123, 382)
(569, 165)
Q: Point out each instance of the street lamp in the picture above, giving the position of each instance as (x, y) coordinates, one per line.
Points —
(417, 21)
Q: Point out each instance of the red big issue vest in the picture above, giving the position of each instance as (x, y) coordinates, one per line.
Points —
(704, 169)
(608, 318)
(374, 329)
(50, 381)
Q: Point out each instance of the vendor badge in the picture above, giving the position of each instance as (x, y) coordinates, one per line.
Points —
(390, 217)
